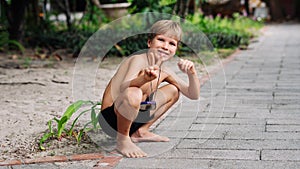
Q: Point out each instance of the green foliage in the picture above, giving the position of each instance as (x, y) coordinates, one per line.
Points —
(226, 32)
(62, 122)
(161, 6)
(129, 45)
(66, 116)
(7, 44)
(93, 18)
(112, 1)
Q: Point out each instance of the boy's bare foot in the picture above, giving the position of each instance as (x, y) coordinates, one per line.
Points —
(147, 136)
(127, 148)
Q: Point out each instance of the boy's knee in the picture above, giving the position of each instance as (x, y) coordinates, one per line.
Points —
(174, 92)
(134, 96)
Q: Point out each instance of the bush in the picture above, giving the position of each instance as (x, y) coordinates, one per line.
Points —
(227, 32)
(222, 33)
(64, 39)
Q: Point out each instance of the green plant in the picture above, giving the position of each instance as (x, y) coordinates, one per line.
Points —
(27, 61)
(92, 19)
(61, 123)
(6, 43)
(161, 6)
(226, 32)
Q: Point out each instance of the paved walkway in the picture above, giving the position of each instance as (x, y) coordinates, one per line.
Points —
(248, 115)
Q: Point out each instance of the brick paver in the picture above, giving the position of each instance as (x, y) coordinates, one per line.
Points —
(93, 160)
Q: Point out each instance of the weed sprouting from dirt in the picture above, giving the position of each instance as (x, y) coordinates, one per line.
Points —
(62, 131)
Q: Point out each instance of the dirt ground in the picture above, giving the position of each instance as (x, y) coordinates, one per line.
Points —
(33, 91)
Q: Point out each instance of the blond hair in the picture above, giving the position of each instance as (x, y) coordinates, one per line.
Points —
(166, 27)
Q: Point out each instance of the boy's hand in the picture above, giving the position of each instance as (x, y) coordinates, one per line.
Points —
(151, 73)
(186, 66)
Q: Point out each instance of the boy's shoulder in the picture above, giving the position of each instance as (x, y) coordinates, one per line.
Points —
(137, 57)
(136, 60)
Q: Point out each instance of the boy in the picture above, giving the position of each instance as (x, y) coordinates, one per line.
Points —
(133, 100)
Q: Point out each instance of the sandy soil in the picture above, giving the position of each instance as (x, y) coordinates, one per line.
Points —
(35, 91)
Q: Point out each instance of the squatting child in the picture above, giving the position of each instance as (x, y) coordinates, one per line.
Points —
(134, 99)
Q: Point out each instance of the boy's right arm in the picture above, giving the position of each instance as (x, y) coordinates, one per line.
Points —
(144, 75)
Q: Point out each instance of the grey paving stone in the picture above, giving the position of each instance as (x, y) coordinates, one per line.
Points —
(183, 134)
(157, 148)
(287, 89)
(281, 155)
(289, 83)
(283, 128)
(245, 164)
(212, 114)
(191, 106)
(247, 110)
(4, 167)
(241, 135)
(288, 112)
(227, 127)
(85, 164)
(183, 113)
(253, 115)
(173, 123)
(249, 106)
(206, 135)
(233, 82)
(293, 121)
(293, 106)
(155, 163)
(282, 115)
(290, 100)
(251, 99)
(240, 121)
(250, 92)
(238, 144)
(200, 163)
(213, 154)
(255, 102)
(254, 87)
(36, 166)
(172, 133)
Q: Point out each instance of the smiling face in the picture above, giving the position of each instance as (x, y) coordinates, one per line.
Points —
(165, 47)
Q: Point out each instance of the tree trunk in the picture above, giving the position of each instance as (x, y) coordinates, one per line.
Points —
(181, 8)
(33, 11)
(68, 14)
(16, 19)
(297, 8)
(65, 7)
(247, 7)
(276, 10)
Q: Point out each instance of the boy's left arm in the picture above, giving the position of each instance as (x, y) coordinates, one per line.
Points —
(193, 88)
(192, 91)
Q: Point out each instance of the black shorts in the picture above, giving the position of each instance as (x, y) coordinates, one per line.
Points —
(108, 121)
